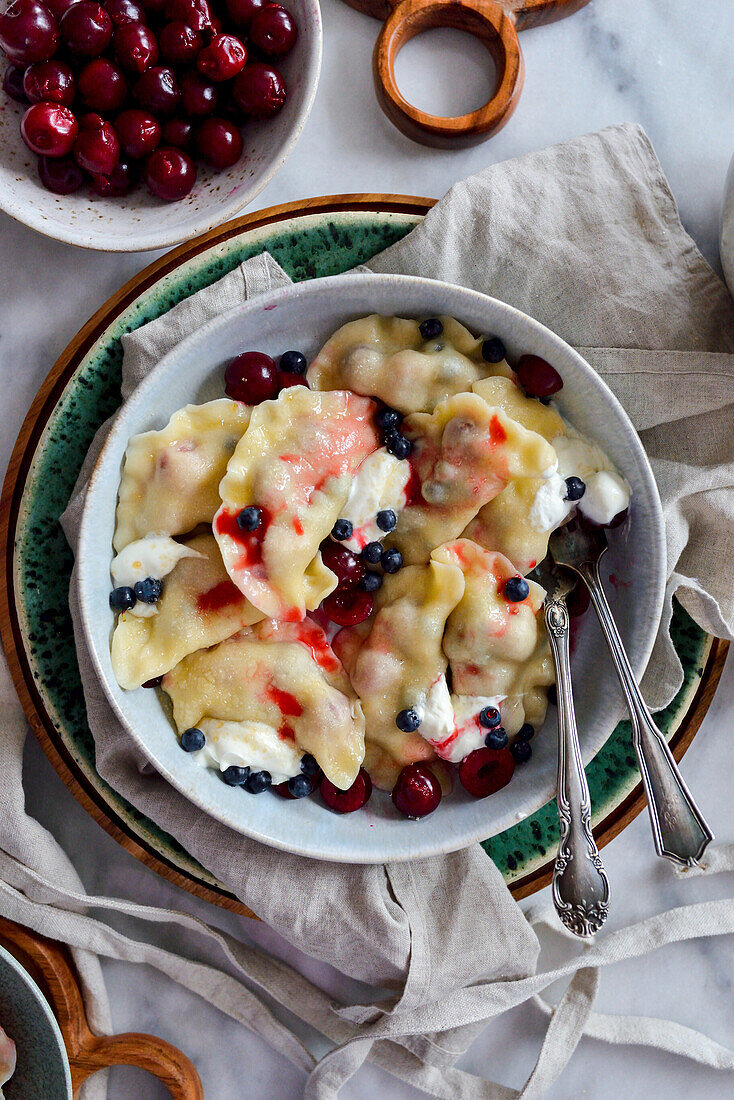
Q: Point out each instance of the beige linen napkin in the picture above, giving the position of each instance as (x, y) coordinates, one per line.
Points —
(585, 237)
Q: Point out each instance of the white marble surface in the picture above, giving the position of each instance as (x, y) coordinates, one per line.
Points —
(664, 63)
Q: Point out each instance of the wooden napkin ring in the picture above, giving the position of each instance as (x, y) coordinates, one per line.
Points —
(484, 19)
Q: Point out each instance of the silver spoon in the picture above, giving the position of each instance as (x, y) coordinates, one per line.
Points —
(679, 830)
(580, 883)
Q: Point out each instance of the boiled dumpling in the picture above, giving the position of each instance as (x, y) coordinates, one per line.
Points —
(464, 453)
(285, 676)
(295, 463)
(170, 478)
(387, 357)
(199, 607)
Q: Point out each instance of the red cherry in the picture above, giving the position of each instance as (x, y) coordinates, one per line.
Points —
(199, 97)
(179, 43)
(158, 90)
(154, 7)
(259, 90)
(272, 31)
(49, 129)
(60, 174)
(49, 82)
(178, 132)
(485, 771)
(537, 377)
(86, 29)
(58, 8)
(97, 148)
(28, 32)
(223, 58)
(124, 11)
(13, 84)
(348, 607)
(251, 377)
(136, 47)
(241, 12)
(139, 132)
(102, 85)
(347, 566)
(219, 143)
(417, 792)
(346, 802)
(170, 173)
(195, 13)
(121, 180)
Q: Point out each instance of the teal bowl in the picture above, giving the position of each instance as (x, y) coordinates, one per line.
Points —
(42, 1071)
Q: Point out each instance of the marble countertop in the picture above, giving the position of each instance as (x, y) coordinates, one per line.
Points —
(663, 63)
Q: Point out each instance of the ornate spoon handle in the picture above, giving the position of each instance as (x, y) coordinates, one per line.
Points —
(580, 883)
(679, 829)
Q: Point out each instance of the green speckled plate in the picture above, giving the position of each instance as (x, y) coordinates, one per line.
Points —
(316, 238)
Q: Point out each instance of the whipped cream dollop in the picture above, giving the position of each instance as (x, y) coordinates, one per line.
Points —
(152, 556)
(247, 744)
(606, 495)
(450, 723)
(379, 485)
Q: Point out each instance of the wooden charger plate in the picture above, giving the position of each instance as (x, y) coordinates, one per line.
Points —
(309, 239)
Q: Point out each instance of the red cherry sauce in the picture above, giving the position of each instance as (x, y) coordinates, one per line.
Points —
(251, 542)
(221, 595)
(288, 706)
(414, 489)
(311, 635)
(497, 433)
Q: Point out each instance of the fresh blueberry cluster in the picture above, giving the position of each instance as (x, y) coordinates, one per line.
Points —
(256, 781)
(145, 591)
(521, 748)
(389, 421)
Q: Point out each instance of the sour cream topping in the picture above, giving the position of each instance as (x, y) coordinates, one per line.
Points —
(607, 493)
(152, 556)
(247, 744)
(450, 723)
(380, 484)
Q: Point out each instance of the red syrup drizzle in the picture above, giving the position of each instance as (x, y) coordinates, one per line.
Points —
(250, 541)
(414, 488)
(288, 706)
(221, 595)
(497, 433)
(312, 636)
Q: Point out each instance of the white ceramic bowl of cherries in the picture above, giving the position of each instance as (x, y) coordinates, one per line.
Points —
(135, 124)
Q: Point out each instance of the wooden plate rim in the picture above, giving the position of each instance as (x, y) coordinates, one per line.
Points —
(20, 461)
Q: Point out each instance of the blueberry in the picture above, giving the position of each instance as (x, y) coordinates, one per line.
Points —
(496, 738)
(370, 581)
(392, 561)
(257, 782)
(575, 488)
(407, 720)
(249, 518)
(489, 717)
(309, 766)
(299, 786)
(493, 350)
(522, 751)
(234, 776)
(430, 328)
(342, 530)
(388, 418)
(526, 732)
(122, 599)
(149, 590)
(516, 589)
(399, 446)
(293, 362)
(372, 552)
(192, 740)
(386, 520)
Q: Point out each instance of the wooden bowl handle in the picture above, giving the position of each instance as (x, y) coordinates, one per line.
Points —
(487, 21)
(148, 1052)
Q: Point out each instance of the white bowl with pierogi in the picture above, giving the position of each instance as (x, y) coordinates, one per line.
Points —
(306, 564)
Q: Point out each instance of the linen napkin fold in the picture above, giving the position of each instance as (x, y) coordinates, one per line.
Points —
(444, 934)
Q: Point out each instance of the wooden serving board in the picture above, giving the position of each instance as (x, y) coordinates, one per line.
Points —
(89, 790)
(52, 968)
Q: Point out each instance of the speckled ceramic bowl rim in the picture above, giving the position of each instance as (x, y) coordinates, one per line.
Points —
(45, 1008)
(212, 215)
(452, 840)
